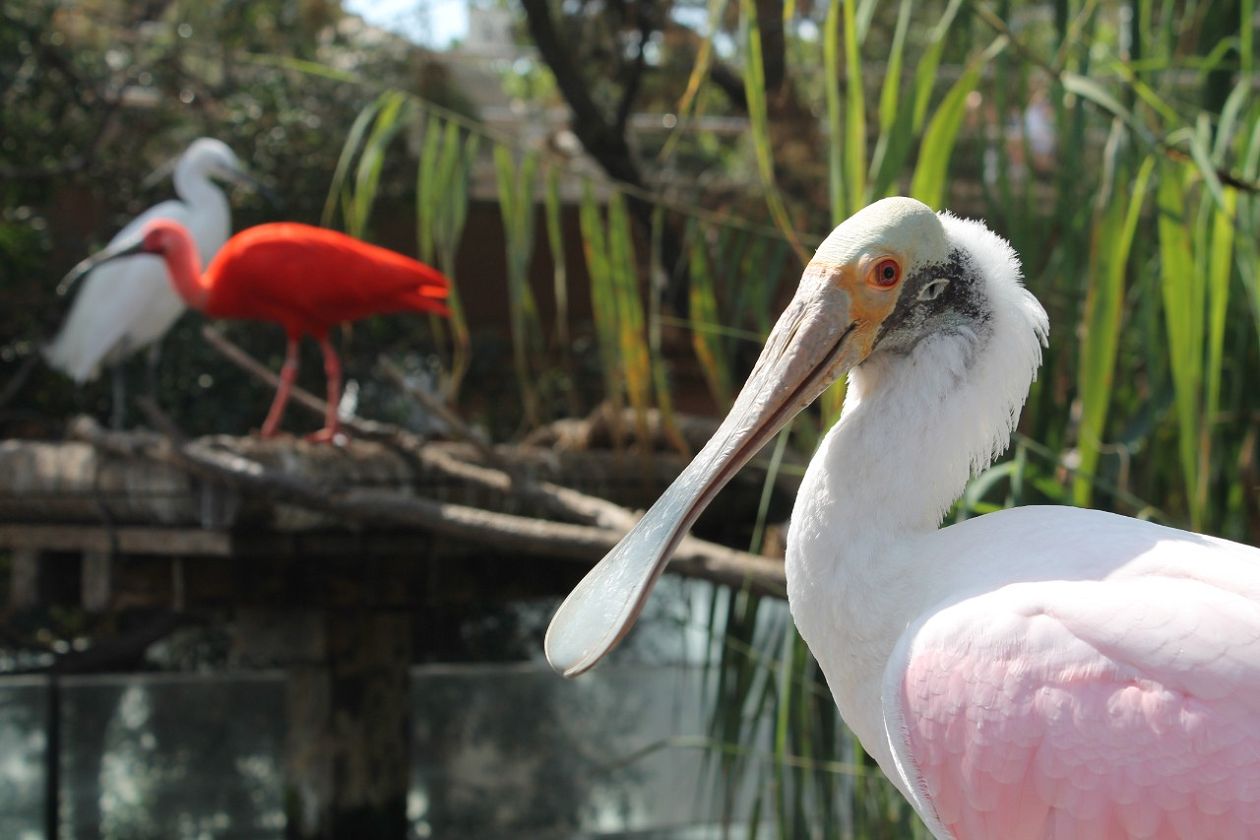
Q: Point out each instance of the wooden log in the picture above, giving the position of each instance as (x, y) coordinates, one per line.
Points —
(191, 542)
(74, 482)
(532, 536)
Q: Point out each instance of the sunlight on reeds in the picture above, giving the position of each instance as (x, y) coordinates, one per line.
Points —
(1135, 216)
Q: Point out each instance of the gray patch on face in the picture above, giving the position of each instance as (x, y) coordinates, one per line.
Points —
(961, 305)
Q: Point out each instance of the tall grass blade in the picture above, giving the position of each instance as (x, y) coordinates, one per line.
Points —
(831, 84)
(428, 190)
(755, 91)
(1184, 320)
(1220, 260)
(560, 283)
(389, 119)
(1246, 37)
(1200, 140)
(890, 94)
(516, 204)
(1090, 89)
(1248, 251)
(631, 339)
(1112, 239)
(354, 139)
(925, 72)
(555, 241)
(855, 112)
(660, 372)
(707, 344)
(603, 300)
(450, 231)
(937, 147)
(699, 73)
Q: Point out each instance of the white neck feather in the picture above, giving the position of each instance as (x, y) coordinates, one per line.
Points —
(915, 426)
(194, 186)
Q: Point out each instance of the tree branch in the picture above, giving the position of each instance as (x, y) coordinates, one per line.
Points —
(605, 141)
(631, 88)
(694, 557)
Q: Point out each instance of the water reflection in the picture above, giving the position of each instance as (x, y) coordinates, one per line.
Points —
(22, 749)
(504, 751)
(172, 755)
(514, 752)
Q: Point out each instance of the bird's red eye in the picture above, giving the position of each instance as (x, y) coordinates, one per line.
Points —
(886, 274)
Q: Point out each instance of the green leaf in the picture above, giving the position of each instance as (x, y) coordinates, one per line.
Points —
(428, 190)
(389, 119)
(354, 139)
(831, 83)
(555, 242)
(755, 91)
(1110, 245)
(1220, 259)
(855, 113)
(890, 93)
(928, 183)
(925, 72)
(704, 311)
(631, 341)
(1183, 314)
(516, 205)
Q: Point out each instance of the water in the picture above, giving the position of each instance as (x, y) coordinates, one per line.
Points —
(499, 752)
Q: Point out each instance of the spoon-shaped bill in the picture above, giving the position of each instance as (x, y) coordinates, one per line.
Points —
(814, 342)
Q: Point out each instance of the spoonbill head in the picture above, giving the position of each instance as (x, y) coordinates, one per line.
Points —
(1041, 672)
(884, 279)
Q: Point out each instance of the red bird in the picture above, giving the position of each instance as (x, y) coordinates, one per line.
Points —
(306, 279)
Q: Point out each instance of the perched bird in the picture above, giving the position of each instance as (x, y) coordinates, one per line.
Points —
(306, 279)
(128, 305)
(1040, 672)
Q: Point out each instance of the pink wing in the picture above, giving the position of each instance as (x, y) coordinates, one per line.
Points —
(1123, 708)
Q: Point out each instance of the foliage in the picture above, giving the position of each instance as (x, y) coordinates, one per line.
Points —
(1119, 154)
(98, 99)
(1116, 145)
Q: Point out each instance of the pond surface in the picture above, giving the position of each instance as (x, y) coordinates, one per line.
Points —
(498, 752)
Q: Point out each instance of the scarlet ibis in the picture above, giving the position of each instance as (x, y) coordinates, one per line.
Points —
(306, 279)
(128, 305)
(1040, 672)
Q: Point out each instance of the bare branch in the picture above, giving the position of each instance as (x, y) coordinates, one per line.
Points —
(695, 558)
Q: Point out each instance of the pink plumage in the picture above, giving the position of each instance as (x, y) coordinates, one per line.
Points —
(1126, 707)
(1042, 673)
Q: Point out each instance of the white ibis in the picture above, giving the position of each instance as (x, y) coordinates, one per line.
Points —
(125, 306)
(1041, 672)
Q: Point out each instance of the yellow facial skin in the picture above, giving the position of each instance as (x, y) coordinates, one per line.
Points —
(831, 325)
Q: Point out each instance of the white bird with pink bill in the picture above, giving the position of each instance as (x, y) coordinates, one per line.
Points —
(1039, 672)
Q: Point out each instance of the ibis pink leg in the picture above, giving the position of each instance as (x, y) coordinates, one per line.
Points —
(288, 373)
(332, 371)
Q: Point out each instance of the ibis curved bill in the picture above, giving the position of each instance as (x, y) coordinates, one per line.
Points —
(1040, 672)
(306, 279)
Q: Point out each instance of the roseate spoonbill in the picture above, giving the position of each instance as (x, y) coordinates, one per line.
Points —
(128, 305)
(1041, 672)
(306, 279)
